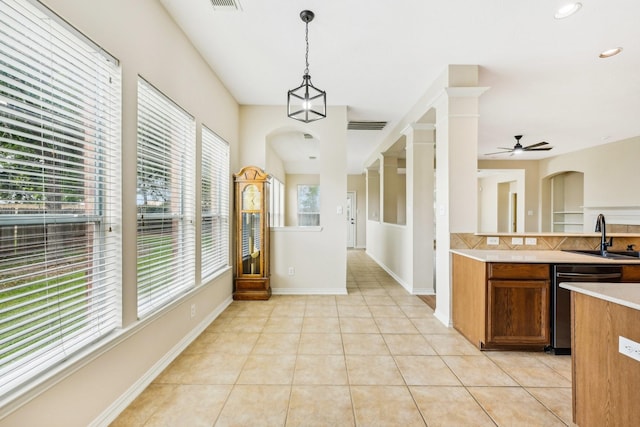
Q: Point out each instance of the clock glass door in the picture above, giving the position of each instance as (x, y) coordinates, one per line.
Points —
(251, 243)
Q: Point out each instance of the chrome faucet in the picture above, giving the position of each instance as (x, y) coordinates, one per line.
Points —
(601, 226)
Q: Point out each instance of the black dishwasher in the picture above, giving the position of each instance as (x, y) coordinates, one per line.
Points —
(561, 298)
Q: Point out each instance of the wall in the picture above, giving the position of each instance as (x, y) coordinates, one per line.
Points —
(358, 184)
(93, 388)
(308, 250)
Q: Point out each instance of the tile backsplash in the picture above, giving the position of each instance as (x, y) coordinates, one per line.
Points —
(545, 241)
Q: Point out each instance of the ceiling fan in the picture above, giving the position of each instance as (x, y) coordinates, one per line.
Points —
(518, 148)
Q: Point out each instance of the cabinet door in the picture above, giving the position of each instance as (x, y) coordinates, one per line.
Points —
(518, 312)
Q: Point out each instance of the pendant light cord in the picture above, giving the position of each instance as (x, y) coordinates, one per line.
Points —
(306, 55)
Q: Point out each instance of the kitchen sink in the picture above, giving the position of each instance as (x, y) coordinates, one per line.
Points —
(608, 254)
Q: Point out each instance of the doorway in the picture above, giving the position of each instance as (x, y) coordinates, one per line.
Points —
(351, 219)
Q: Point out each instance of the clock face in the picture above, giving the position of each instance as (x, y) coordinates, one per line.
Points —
(251, 198)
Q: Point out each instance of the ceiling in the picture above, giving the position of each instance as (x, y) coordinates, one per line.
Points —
(545, 77)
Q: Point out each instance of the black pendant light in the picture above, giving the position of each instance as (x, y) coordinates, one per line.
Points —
(307, 103)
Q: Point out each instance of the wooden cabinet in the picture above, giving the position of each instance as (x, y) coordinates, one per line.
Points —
(518, 304)
(501, 305)
(605, 382)
(630, 273)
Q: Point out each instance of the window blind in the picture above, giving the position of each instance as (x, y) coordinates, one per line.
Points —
(165, 200)
(59, 193)
(215, 203)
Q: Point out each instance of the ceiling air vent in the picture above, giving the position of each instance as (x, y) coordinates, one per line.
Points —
(226, 5)
(366, 125)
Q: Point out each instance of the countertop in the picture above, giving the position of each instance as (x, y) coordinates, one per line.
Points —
(536, 256)
(626, 294)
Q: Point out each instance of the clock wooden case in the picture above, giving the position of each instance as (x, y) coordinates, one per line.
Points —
(252, 234)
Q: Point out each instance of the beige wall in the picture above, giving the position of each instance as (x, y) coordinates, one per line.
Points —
(98, 385)
(358, 184)
(308, 250)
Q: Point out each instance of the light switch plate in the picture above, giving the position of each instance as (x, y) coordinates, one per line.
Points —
(629, 348)
(516, 240)
(493, 240)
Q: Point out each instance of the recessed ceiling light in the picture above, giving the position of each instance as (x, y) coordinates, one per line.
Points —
(567, 10)
(610, 52)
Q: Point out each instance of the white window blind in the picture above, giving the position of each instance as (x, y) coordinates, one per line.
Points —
(59, 193)
(215, 203)
(165, 200)
(308, 205)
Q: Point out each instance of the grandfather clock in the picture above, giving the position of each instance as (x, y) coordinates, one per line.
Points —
(252, 234)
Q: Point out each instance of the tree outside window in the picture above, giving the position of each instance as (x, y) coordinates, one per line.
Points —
(308, 205)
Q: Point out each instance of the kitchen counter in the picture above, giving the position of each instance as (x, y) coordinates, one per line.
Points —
(624, 294)
(537, 256)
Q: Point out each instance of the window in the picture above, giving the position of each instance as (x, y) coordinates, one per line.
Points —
(276, 202)
(165, 202)
(59, 192)
(308, 205)
(215, 203)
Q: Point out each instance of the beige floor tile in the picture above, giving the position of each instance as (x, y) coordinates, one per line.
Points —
(320, 324)
(513, 406)
(478, 371)
(205, 343)
(321, 311)
(255, 309)
(206, 368)
(425, 370)
(408, 345)
(395, 325)
(277, 344)
(373, 370)
(418, 311)
(143, 407)
(386, 311)
(404, 299)
(431, 325)
(449, 406)
(320, 406)
(557, 399)
(561, 364)
(379, 300)
(283, 325)
(385, 406)
(452, 345)
(230, 343)
(373, 291)
(246, 324)
(320, 370)
(268, 369)
(191, 405)
(358, 325)
(353, 310)
(350, 299)
(289, 310)
(256, 406)
(320, 344)
(364, 344)
(529, 371)
(315, 300)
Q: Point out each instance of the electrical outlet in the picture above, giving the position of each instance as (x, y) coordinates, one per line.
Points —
(292, 271)
(193, 311)
(516, 240)
(629, 348)
(530, 241)
(493, 240)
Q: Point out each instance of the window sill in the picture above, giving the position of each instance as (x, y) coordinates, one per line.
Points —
(296, 229)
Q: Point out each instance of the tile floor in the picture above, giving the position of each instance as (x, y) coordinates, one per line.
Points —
(375, 357)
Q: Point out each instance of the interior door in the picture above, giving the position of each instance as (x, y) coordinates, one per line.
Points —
(351, 219)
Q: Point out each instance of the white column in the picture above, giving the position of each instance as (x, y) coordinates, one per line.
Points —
(420, 196)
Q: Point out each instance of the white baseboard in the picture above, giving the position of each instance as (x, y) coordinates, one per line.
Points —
(397, 278)
(309, 291)
(444, 319)
(120, 404)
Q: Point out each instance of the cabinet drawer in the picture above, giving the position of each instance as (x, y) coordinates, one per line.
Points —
(631, 273)
(518, 271)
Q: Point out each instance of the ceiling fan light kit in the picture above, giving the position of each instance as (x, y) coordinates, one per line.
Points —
(307, 103)
(519, 149)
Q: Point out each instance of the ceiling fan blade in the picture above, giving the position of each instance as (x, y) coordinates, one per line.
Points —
(506, 148)
(498, 152)
(536, 145)
(538, 149)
